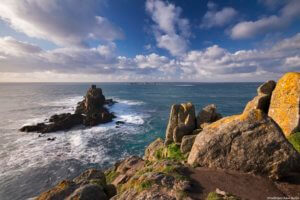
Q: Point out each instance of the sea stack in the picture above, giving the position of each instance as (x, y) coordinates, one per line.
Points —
(89, 112)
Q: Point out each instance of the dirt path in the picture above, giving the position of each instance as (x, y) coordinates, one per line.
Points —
(243, 185)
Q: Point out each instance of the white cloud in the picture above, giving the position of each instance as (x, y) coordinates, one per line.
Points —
(292, 61)
(214, 18)
(210, 64)
(9, 45)
(248, 29)
(68, 22)
(171, 30)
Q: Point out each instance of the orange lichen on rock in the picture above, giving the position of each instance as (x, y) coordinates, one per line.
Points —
(284, 107)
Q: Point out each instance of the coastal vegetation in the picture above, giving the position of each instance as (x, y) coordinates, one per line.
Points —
(294, 139)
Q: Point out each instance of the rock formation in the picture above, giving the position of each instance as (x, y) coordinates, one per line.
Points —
(187, 143)
(251, 142)
(237, 154)
(207, 115)
(262, 100)
(89, 112)
(182, 121)
(90, 185)
(285, 103)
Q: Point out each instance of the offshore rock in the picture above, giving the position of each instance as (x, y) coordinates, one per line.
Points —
(262, 100)
(285, 103)
(207, 115)
(181, 122)
(89, 112)
(251, 142)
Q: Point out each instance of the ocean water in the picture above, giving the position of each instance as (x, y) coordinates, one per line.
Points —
(30, 164)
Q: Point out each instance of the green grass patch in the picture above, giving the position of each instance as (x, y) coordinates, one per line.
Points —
(145, 185)
(174, 153)
(294, 139)
(111, 175)
(213, 196)
(158, 154)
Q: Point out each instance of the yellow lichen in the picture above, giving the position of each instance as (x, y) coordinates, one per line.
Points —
(284, 107)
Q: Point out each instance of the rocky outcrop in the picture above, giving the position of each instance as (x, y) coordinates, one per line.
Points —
(285, 103)
(181, 122)
(151, 152)
(153, 180)
(262, 100)
(89, 112)
(90, 185)
(251, 142)
(207, 115)
(187, 143)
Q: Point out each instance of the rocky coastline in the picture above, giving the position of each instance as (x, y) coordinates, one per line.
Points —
(91, 111)
(204, 156)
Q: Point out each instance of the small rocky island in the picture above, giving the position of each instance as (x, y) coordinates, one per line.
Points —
(207, 156)
(89, 112)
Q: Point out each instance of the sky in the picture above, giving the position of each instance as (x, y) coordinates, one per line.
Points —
(148, 40)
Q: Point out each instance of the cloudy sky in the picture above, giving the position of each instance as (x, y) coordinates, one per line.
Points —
(148, 40)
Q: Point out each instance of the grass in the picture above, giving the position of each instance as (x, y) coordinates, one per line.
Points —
(213, 196)
(111, 175)
(294, 139)
(145, 185)
(174, 153)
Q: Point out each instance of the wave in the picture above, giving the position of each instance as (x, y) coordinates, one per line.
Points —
(184, 85)
(88, 145)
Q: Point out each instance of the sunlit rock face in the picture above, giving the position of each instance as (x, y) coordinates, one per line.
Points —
(250, 142)
(285, 103)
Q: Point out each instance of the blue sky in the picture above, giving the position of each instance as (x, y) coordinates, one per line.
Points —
(151, 40)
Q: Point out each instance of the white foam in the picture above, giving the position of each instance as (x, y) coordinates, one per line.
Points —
(184, 85)
(29, 150)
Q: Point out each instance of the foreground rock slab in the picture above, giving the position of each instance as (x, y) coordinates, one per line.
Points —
(285, 103)
(251, 142)
(90, 185)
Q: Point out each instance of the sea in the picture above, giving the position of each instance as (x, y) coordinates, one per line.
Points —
(31, 164)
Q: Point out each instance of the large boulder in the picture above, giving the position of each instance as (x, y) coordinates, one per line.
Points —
(285, 103)
(181, 122)
(251, 142)
(262, 100)
(207, 115)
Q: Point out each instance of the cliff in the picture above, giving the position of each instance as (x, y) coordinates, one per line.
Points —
(205, 156)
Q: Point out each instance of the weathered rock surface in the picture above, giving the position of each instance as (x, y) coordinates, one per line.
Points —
(89, 112)
(285, 103)
(262, 100)
(181, 122)
(207, 115)
(155, 180)
(251, 142)
(90, 185)
(151, 150)
(187, 143)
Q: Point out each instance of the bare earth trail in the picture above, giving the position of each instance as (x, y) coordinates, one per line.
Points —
(245, 186)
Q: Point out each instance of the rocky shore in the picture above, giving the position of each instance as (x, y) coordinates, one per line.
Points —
(207, 156)
(89, 112)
